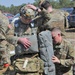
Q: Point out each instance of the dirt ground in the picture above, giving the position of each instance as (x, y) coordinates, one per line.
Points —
(70, 35)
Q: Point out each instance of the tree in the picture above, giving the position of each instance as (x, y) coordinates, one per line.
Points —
(36, 2)
(64, 3)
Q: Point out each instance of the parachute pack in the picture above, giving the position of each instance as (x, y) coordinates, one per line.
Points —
(46, 51)
(20, 49)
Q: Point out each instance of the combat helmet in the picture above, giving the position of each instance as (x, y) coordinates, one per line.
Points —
(27, 12)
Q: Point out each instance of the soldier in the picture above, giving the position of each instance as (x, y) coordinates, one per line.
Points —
(64, 54)
(46, 51)
(44, 15)
(56, 16)
(4, 50)
(25, 62)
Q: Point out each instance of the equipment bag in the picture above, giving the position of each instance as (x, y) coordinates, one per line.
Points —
(20, 49)
(28, 65)
(46, 51)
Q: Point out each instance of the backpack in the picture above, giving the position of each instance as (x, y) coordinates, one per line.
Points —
(20, 49)
(29, 65)
(46, 51)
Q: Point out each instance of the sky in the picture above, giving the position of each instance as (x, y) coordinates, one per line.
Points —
(8, 3)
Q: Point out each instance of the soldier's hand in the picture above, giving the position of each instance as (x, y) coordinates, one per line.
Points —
(32, 7)
(9, 26)
(55, 59)
(25, 42)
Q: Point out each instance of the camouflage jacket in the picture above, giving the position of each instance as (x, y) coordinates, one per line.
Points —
(65, 53)
(4, 29)
(57, 18)
(22, 29)
(3, 26)
(4, 33)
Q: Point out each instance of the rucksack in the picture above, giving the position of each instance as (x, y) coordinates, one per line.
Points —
(20, 49)
(46, 51)
(29, 65)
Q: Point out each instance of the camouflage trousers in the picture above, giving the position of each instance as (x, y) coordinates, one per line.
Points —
(4, 57)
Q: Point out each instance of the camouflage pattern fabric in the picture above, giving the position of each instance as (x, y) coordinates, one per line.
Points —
(3, 42)
(4, 22)
(22, 29)
(58, 18)
(44, 17)
(27, 12)
(4, 51)
(65, 52)
(55, 18)
(34, 66)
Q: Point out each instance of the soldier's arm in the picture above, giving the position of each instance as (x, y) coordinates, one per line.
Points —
(42, 11)
(70, 57)
(15, 39)
(12, 39)
(10, 35)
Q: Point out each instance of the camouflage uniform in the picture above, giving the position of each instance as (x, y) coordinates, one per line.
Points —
(57, 18)
(53, 19)
(65, 53)
(3, 42)
(22, 29)
(4, 50)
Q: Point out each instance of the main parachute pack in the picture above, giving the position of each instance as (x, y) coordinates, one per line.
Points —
(20, 49)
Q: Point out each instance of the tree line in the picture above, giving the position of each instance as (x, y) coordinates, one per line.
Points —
(55, 3)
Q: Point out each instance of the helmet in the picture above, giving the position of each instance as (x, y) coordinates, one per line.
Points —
(27, 12)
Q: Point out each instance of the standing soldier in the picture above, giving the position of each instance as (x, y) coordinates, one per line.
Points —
(54, 17)
(4, 50)
(45, 40)
(26, 59)
(58, 17)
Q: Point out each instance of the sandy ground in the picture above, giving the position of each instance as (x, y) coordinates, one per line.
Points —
(70, 35)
